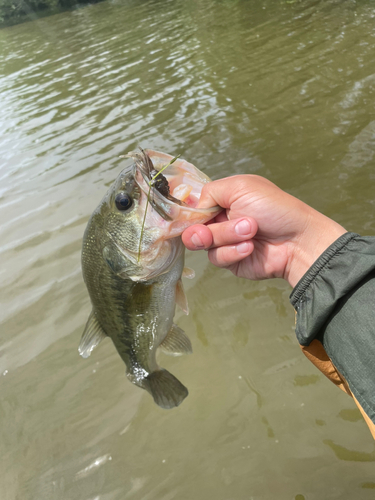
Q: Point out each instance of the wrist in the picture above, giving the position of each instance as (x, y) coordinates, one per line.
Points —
(318, 233)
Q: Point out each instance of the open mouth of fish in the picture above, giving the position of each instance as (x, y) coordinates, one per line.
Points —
(167, 205)
(176, 191)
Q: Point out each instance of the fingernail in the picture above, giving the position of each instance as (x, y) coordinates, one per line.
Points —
(243, 247)
(197, 242)
(243, 228)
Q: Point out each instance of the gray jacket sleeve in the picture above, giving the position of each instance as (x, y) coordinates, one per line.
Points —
(335, 304)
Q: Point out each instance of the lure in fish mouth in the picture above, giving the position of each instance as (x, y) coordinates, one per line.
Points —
(156, 178)
(132, 264)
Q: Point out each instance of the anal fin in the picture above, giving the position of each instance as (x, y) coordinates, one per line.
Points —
(176, 342)
(92, 335)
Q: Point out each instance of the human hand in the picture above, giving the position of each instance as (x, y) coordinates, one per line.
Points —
(263, 232)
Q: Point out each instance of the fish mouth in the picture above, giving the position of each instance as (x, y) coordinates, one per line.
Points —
(175, 192)
(164, 210)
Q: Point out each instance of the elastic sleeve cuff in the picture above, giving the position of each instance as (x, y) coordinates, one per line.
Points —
(335, 273)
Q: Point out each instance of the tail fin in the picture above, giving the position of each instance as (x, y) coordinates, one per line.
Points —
(166, 390)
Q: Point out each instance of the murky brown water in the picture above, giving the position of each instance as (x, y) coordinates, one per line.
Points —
(281, 89)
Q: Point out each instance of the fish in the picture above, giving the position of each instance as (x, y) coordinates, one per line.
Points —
(132, 265)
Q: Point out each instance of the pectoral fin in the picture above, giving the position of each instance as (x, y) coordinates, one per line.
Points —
(188, 273)
(92, 335)
(176, 342)
(181, 298)
(114, 259)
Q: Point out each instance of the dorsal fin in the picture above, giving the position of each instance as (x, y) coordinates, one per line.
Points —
(92, 335)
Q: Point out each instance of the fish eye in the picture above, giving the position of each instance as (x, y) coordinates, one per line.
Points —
(123, 201)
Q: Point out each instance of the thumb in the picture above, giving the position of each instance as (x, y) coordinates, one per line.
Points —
(217, 193)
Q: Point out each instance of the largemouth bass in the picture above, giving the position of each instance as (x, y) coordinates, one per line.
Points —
(132, 263)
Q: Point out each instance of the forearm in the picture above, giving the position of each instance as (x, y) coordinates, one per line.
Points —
(334, 306)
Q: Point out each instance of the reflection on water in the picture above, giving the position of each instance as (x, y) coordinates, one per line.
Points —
(276, 88)
(350, 455)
